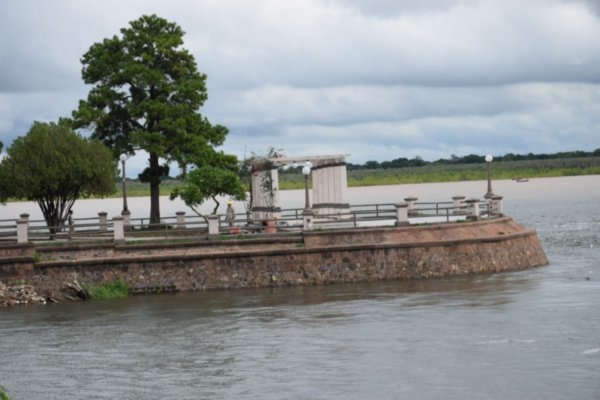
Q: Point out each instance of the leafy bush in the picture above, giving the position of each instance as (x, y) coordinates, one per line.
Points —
(3, 393)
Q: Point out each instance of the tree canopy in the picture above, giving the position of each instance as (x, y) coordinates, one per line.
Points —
(54, 166)
(208, 182)
(146, 95)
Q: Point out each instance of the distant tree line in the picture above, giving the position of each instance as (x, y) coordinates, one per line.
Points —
(403, 162)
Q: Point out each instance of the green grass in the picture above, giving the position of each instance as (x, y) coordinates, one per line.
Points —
(114, 290)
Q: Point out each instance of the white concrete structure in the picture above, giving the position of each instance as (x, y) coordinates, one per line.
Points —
(213, 225)
(265, 205)
(496, 205)
(308, 219)
(472, 208)
(22, 230)
(103, 221)
(411, 200)
(458, 202)
(118, 229)
(180, 219)
(401, 214)
(329, 185)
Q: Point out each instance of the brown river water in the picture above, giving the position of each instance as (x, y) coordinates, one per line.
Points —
(532, 334)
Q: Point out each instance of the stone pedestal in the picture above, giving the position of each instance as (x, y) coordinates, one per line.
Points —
(472, 209)
(457, 204)
(180, 219)
(102, 221)
(25, 217)
(118, 229)
(22, 230)
(213, 225)
(496, 206)
(410, 201)
(308, 218)
(401, 214)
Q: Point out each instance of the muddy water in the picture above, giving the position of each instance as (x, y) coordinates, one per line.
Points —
(527, 335)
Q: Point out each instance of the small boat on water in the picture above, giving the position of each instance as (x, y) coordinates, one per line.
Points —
(522, 180)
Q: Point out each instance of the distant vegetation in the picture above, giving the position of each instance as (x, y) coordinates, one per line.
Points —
(432, 172)
(467, 168)
(470, 159)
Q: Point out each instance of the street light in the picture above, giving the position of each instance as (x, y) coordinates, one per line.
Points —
(123, 158)
(306, 172)
(488, 161)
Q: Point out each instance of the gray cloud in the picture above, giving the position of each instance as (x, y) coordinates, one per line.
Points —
(379, 79)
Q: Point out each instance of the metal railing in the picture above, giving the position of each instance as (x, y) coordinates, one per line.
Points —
(289, 220)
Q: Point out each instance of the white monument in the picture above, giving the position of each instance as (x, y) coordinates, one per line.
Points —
(329, 183)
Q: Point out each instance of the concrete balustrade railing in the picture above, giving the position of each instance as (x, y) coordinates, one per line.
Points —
(410, 201)
(180, 219)
(398, 214)
(496, 208)
(213, 225)
(118, 229)
(458, 202)
(103, 221)
(401, 214)
(22, 230)
(472, 208)
(308, 219)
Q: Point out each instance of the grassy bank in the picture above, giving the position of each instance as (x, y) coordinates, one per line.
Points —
(461, 172)
(114, 290)
(425, 174)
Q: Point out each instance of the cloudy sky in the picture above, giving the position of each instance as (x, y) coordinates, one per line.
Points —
(378, 79)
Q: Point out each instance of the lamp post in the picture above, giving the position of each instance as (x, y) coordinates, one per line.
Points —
(306, 172)
(488, 161)
(123, 158)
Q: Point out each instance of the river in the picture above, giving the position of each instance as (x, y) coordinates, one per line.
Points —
(532, 334)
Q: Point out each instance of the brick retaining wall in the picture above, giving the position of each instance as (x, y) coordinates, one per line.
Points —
(322, 258)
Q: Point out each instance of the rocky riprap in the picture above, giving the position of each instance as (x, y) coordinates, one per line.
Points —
(19, 294)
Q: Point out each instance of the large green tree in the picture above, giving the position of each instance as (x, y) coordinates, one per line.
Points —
(54, 166)
(146, 95)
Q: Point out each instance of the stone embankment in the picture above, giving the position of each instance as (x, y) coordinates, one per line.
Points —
(310, 258)
(19, 294)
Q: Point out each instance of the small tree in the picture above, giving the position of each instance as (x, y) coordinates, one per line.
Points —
(54, 166)
(208, 182)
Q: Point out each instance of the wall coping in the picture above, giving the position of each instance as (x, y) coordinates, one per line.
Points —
(159, 245)
(280, 252)
(434, 226)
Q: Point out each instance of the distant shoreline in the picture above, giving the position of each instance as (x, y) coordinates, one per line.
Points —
(511, 170)
(526, 169)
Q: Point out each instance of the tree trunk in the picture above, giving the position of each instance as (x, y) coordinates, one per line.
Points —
(217, 205)
(154, 189)
(55, 212)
